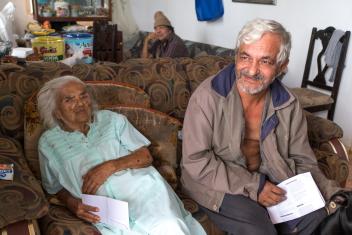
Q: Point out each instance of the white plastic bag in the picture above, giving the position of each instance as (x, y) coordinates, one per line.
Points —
(6, 21)
(76, 58)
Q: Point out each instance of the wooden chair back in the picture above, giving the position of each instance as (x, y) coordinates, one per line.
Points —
(320, 81)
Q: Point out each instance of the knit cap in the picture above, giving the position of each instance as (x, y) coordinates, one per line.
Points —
(161, 20)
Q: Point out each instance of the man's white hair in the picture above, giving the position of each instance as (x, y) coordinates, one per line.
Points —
(254, 31)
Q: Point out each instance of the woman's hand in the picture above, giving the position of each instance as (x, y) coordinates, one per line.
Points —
(76, 206)
(96, 176)
(99, 174)
(83, 211)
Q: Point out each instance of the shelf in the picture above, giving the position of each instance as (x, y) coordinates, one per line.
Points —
(70, 19)
(72, 10)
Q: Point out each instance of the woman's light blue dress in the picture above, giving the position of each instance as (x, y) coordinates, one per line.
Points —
(154, 208)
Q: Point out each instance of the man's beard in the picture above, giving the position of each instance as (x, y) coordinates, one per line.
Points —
(251, 90)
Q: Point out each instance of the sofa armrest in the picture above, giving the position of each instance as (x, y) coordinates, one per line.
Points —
(22, 198)
(22, 227)
(332, 166)
(321, 130)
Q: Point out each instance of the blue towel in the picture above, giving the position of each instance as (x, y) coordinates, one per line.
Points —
(209, 9)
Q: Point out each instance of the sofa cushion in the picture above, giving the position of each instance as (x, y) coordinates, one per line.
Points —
(22, 198)
(7, 68)
(332, 166)
(17, 84)
(11, 121)
(196, 49)
(321, 130)
(111, 92)
(161, 130)
(48, 70)
(202, 67)
(100, 71)
(60, 221)
(163, 79)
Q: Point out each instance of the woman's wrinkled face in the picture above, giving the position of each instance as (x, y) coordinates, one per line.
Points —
(256, 65)
(74, 106)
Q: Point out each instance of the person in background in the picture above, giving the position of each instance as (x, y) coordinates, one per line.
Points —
(244, 132)
(163, 42)
(97, 152)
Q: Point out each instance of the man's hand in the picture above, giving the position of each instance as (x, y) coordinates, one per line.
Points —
(83, 211)
(150, 36)
(96, 176)
(271, 195)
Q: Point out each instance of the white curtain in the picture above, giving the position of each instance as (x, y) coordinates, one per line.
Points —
(122, 16)
(6, 23)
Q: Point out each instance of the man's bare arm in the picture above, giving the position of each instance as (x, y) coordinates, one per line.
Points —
(145, 50)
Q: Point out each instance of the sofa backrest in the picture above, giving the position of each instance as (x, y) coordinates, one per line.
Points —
(22, 198)
(195, 49)
(169, 83)
(111, 92)
(106, 93)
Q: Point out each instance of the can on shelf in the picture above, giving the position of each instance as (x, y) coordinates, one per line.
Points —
(79, 43)
(50, 47)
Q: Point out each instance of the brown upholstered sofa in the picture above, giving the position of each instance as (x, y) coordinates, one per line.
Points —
(164, 84)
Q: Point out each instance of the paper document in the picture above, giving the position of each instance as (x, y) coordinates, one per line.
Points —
(111, 211)
(303, 197)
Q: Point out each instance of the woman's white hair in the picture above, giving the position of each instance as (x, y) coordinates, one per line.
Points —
(255, 29)
(47, 99)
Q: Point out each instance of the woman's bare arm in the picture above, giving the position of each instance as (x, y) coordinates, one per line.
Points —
(96, 176)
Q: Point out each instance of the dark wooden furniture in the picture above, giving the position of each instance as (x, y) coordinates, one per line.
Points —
(313, 100)
(107, 42)
(80, 10)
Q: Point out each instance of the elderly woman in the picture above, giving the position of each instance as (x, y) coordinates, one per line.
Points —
(101, 153)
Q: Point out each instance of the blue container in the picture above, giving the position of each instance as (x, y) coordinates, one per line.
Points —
(79, 42)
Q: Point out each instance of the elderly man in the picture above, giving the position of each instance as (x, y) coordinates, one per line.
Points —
(165, 43)
(244, 132)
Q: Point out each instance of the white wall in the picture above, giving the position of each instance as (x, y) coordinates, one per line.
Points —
(298, 16)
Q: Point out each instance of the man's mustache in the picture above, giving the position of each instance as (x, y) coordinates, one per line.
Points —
(257, 77)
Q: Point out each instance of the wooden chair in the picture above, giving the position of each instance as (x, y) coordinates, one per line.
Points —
(315, 100)
(107, 42)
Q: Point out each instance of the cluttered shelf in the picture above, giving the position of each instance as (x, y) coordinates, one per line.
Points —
(58, 34)
(71, 10)
(73, 44)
